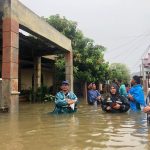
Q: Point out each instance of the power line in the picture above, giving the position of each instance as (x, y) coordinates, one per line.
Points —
(119, 54)
(138, 62)
(145, 52)
(132, 51)
(128, 42)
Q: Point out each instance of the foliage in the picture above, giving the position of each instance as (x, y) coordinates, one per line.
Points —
(120, 72)
(89, 64)
(49, 97)
(41, 92)
(31, 95)
(41, 95)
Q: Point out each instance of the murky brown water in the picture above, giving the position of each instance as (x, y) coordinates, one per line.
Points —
(88, 129)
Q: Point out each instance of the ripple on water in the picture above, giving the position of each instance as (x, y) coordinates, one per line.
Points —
(88, 129)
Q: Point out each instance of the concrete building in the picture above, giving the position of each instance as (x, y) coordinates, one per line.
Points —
(22, 56)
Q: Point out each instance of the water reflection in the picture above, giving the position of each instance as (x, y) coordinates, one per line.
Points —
(9, 131)
(88, 129)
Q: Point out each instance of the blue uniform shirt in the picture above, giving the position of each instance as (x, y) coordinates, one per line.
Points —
(92, 95)
(137, 92)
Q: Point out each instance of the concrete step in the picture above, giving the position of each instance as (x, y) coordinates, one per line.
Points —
(23, 98)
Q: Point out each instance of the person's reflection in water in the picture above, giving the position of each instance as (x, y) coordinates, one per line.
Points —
(66, 129)
(13, 132)
(127, 130)
(140, 129)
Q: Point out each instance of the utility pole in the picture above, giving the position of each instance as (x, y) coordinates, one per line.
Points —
(140, 69)
(144, 76)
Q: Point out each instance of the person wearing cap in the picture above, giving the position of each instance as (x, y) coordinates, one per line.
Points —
(93, 95)
(136, 94)
(65, 100)
(115, 103)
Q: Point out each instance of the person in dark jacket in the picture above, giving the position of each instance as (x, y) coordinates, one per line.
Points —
(115, 103)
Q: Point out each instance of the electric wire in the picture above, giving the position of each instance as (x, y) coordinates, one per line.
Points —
(129, 47)
(132, 47)
(128, 42)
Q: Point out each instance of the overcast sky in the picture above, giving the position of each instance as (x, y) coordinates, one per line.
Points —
(122, 26)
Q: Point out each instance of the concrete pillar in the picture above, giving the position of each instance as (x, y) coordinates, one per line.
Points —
(69, 68)
(145, 84)
(0, 62)
(10, 52)
(37, 72)
(0, 90)
(100, 88)
(85, 91)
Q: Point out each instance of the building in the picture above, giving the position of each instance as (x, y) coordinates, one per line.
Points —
(145, 71)
(23, 57)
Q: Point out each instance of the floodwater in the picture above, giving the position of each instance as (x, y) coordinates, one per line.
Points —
(88, 129)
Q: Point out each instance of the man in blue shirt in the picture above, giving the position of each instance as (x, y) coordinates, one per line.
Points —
(93, 95)
(136, 95)
(65, 100)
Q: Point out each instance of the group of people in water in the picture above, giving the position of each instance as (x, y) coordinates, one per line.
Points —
(119, 100)
(114, 102)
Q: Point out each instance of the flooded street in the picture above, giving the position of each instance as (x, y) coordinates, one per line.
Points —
(88, 129)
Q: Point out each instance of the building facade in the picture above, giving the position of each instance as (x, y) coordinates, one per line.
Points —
(22, 55)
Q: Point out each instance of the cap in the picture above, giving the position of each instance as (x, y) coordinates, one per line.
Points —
(65, 82)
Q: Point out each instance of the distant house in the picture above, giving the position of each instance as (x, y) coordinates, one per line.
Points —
(145, 71)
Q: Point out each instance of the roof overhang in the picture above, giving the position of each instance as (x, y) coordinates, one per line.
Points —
(33, 24)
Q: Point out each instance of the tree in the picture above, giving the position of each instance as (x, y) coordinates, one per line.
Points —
(120, 72)
(89, 64)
